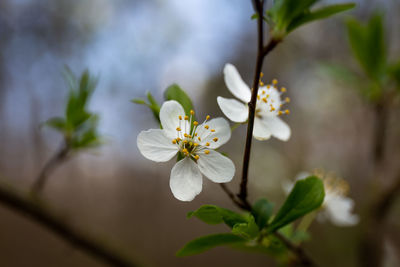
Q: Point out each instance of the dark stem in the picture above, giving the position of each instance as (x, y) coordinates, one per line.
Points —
(232, 196)
(33, 209)
(261, 53)
(380, 133)
(50, 166)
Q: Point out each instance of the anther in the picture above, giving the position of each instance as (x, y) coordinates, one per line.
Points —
(283, 90)
(199, 138)
(261, 74)
(207, 117)
(287, 100)
(258, 97)
(287, 112)
(280, 113)
(195, 123)
(207, 151)
(268, 86)
(186, 118)
(263, 92)
(191, 112)
(215, 139)
(174, 141)
(265, 100)
(274, 81)
(178, 129)
(207, 144)
(212, 130)
(195, 134)
(261, 83)
(186, 135)
(196, 157)
(207, 127)
(180, 117)
(196, 144)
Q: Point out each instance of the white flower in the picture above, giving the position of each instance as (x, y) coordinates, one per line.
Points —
(196, 145)
(337, 207)
(266, 121)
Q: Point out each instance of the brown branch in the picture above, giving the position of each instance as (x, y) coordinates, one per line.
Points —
(49, 167)
(261, 53)
(32, 208)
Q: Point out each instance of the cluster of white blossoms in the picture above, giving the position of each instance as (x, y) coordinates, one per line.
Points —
(268, 108)
(337, 207)
(195, 142)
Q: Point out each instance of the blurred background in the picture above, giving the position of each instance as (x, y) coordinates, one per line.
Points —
(138, 46)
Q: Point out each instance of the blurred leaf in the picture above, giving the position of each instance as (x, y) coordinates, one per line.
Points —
(319, 14)
(262, 211)
(394, 72)
(339, 73)
(307, 195)
(212, 214)
(139, 101)
(254, 16)
(56, 123)
(174, 92)
(204, 243)
(154, 106)
(248, 230)
(368, 46)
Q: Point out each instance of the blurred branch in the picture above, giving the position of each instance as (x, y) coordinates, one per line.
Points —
(301, 256)
(29, 206)
(50, 166)
(380, 132)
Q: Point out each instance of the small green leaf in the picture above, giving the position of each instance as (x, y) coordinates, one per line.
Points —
(262, 211)
(139, 101)
(174, 92)
(204, 243)
(254, 16)
(306, 196)
(154, 106)
(319, 14)
(56, 123)
(212, 214)
(247, 230)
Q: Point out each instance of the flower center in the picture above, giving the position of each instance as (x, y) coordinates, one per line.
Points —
(269, 100)
(333, 185)
(191, 136)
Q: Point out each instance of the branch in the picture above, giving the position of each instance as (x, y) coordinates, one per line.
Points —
(50, 166)
(261, 53)
(32, 208)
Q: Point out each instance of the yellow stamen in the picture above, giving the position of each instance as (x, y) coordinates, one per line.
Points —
(258, 97)
(178, 129)
(268, 86)
(199, 138)
(287, 100)
(280, 113)
(207, 117)
(261, 74)
(287, 112)
(195, 123)
(207, 144)
(195, 134)
(178, 139)
(207, 151)
(274, 81)
(174, 141)
(180, 117)
(215, 139)
(186, 135)
(191, 112)
(186, 118)
(196, 144)
(207, 127)
(212, 130)
(263, 92)
(261, 83)
(283, 90)
(196, 157)
(265, 100)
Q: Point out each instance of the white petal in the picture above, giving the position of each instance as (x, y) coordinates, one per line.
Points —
(339, 209)
(235, 111)
(216, 167)
(235, 83)
(260, 131)
(222, 132)
(277, 127)
(185, 181)
(154, 145)
(169, 117)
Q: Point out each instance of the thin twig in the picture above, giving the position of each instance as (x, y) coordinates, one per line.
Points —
(50, 166)
(261, 53)
(232, 196)
(29, 206)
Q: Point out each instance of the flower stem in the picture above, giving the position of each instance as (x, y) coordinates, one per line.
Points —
(262, 51)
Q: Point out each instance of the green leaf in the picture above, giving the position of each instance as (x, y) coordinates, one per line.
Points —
(262, 211)
(248, 230)
(139, 101)
(254, 16)
(56, 123)
(154, 106)
(394, 72)
(368, 46)
(212, 214)
(204, 243)
(306, 196)
(174, 92)
(319, 14)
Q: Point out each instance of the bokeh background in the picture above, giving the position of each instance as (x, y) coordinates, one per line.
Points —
(138, 46)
